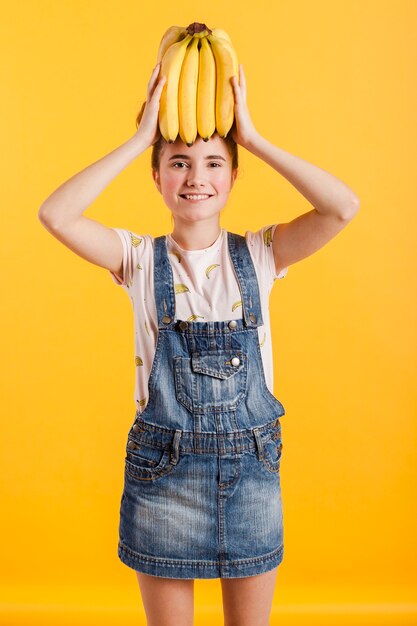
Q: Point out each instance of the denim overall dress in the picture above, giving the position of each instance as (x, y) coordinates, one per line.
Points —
(202, 493)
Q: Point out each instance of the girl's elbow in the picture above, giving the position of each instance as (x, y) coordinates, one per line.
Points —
(351, 209)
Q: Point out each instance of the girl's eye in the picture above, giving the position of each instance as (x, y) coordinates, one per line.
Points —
(182, 163)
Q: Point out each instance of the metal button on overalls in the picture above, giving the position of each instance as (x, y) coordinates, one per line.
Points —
(202, 496)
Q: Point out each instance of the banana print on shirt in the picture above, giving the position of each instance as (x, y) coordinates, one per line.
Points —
(210, 268)
(268, 236)
(135, 240)
(180, 288)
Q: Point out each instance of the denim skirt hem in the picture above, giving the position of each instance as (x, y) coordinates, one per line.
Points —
(188, 569)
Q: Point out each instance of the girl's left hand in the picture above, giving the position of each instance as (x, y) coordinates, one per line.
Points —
(243, 130)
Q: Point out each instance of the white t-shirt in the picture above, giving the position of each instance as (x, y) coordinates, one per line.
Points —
(206, 289)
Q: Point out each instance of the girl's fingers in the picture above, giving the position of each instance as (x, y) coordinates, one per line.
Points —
(158, 89)
(242, 79)
(155, 93)
(236, 90)
(153, 78)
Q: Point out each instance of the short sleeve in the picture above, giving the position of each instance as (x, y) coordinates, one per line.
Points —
(260, 245)
(133, 245)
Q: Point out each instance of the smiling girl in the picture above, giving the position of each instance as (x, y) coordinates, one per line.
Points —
(202, 494)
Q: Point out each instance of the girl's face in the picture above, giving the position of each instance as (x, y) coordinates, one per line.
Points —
(195, 181)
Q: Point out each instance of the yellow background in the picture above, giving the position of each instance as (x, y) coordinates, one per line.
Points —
(331, 82)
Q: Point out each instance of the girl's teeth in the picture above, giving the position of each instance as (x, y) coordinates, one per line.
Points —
(197, 197)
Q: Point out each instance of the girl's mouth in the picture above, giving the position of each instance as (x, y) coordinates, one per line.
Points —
(193, 197)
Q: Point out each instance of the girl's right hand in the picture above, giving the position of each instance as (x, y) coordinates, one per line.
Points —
(148, 130)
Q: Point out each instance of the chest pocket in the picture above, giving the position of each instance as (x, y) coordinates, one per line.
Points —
(211, 381)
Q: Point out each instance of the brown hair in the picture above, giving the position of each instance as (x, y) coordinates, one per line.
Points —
(158, 146)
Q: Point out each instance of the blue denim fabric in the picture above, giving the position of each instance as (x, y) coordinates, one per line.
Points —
(202, 493)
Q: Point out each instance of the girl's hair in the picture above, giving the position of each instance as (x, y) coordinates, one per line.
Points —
(160, 144)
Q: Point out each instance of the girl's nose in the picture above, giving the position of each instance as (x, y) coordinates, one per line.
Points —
(195, 178)
(195, 182)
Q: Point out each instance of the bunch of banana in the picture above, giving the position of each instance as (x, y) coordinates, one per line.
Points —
(197, 97)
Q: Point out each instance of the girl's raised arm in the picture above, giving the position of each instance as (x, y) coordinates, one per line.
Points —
(62, 212)
(335, 204)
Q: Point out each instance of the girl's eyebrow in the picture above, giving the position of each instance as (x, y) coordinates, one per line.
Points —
(184, 156)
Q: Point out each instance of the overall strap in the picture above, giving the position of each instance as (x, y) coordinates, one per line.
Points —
(163, 284)
(246, 276)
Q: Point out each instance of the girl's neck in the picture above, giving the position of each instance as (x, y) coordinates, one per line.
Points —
(197, 236)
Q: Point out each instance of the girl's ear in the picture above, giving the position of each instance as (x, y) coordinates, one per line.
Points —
(155, 176)
(234, 175)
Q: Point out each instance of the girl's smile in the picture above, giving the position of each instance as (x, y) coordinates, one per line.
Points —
(195, 198)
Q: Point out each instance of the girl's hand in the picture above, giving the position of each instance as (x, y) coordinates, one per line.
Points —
(243, 130)
(148, 130)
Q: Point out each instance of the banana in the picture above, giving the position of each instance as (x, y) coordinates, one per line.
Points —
(226, 67)
(206, 92)
(218, 32)
(172, 35)
(187, 94)
(201, 34)
(168, 105)
(197, 98)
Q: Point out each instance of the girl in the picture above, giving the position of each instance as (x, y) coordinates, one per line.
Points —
(202, 495)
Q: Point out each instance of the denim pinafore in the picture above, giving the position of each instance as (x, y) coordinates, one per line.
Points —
(202, 493)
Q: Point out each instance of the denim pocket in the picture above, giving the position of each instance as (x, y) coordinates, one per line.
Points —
(147, 462)
(143, 455)
(210, 381)
(272, 449)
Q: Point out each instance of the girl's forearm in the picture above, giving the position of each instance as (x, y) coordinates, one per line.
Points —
(325, 192)
(69, 201)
